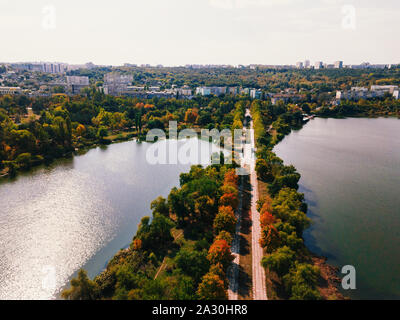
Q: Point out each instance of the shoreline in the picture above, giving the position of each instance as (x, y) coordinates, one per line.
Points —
(78, 151)
(328, 284)
(329, 281)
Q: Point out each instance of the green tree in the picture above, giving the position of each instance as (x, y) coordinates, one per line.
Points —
(225, 220)
(82, 288)
(264, 170)
(279, 261)
(160, 206)
(224, 235)
(301, 282)
(102, 132)
(193, 263)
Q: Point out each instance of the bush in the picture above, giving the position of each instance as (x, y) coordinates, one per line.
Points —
(24, 160)
(279, 261)
(301, 282)
(225, 220)
(224, 235)
(193, 263)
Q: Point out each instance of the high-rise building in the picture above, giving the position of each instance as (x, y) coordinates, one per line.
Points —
(54, 67)
(338, 64)
(307, 64)
(299, 65)
(319, 65)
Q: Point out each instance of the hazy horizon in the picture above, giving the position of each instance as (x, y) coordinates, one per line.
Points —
(179, 32)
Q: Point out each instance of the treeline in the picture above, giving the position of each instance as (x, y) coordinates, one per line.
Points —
(38, 130)
(387, 106)
(272, 80)
(283, 210)
(273, 122)
(182, 252)
(33, 142)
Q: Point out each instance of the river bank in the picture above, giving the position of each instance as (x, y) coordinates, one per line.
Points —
(77, 149)
(285, 216)
(328, 283)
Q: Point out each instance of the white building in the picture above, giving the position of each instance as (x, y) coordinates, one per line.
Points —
(357, 93)
(185, 91)
(115, 83)
(206, 91)
(203, 91)
(255, 94)
(154, 89)
(307, 64)
(54, 67)
(386, 89)
(10, 90)
(233, 91)
(77, 83)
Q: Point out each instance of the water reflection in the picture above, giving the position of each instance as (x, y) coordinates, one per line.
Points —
(76, 213)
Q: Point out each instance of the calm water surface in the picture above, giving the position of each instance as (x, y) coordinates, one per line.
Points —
(76, 213)
(351, 179)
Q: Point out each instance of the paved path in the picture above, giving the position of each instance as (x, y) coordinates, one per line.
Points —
(248, 162)
(259, 285)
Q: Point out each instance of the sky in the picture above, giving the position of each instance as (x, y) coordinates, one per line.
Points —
(179, 32)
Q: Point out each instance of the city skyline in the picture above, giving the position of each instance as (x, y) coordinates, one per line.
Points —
(65, 66)
(208, 32)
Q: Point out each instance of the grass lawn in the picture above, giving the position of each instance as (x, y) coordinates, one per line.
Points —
(120, 134)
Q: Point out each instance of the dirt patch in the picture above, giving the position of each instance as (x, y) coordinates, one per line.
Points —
(329, 282)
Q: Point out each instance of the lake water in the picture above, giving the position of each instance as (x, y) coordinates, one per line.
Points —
(77, 213)
(351, 179)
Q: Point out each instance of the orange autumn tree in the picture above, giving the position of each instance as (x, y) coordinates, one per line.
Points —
(191, 115)
(231, 179)
(139, 105)
(266, 218)
(80, 130)
(270, 239)
(137, 244)
(220, 252)
(229, 199)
